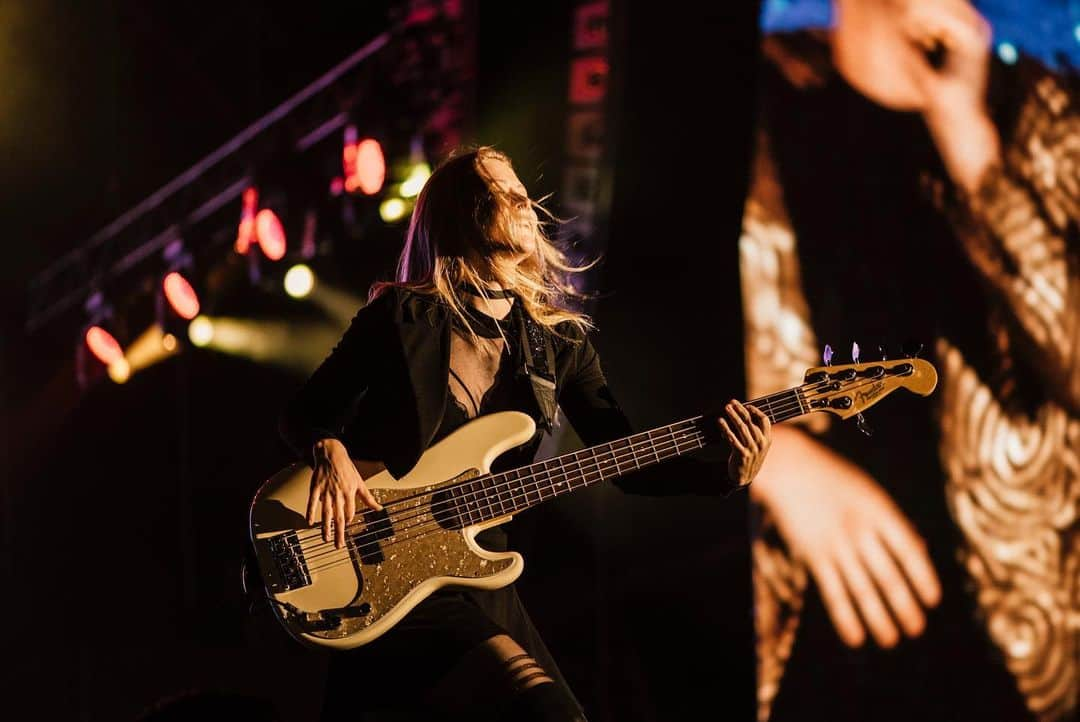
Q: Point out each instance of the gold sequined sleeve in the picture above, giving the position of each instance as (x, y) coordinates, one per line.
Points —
(1019, 229)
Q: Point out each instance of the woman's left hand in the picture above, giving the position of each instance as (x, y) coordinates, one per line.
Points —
(749, 432)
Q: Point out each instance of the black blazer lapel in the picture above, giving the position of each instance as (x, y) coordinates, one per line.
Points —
(424, 334)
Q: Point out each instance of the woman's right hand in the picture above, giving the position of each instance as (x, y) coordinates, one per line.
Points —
(860, 548)
(335, 484)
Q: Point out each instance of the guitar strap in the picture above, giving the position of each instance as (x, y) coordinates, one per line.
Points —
(537, 362)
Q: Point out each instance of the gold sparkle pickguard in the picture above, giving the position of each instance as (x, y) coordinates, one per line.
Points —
(369, 598)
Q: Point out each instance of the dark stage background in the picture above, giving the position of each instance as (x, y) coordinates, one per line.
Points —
(124, 507)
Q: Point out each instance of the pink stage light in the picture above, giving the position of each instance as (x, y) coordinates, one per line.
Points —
(365, 166)
(270, 234)
(181, 295)
(103, 345)
(245, 234)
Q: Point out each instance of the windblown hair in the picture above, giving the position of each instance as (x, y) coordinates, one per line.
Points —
(465, 229)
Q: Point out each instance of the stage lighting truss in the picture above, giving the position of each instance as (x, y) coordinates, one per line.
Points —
(250, 176)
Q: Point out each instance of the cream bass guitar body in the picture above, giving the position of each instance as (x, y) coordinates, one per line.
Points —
(424, 538)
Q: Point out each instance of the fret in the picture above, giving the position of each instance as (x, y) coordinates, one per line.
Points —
(483, 499)
(476, 498)
(510, 489)
(498, 489)
(543, 481)
(519, 496)
(470, 504)
(788, 413)
(565, 474)
(496, 485)
(584, 468)
(535, 487)
(548, 482)
(536, 481)
(577, 468)
(557, 487)
(611, 453)
(567, 478)
(455, 495)
(774, 418)
(615, 455)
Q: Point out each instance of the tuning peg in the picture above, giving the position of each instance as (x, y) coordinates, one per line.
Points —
(855, 352)
(863, 425)
(827, 355)
(881, 350)
(912, 349)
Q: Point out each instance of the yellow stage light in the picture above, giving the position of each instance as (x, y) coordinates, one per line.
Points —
(201, 331)
(120, 370)
(299, 281)
(392, 210)
(418, 176)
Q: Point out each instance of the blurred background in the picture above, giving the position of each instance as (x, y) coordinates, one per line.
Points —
(198, 196)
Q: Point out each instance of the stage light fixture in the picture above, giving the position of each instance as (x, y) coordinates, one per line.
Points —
(180, 295)
(201, 331)
(120, 370)
(393, 210)
(363, 163)
(414, 183)
(299, 281)
(259, 227)
(97, 336)
(103, 345)
(97, 340)
(417, 171)
(270, 234)
(245, 233)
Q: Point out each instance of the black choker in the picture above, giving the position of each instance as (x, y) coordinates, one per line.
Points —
(487, 292)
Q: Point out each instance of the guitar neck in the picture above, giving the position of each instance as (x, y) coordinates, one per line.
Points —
(497, 495)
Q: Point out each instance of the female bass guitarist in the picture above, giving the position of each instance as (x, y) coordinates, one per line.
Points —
(474, 324)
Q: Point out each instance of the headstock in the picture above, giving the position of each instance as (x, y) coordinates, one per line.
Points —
(849, 389)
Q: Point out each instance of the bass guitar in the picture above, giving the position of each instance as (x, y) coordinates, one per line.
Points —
(424, 536)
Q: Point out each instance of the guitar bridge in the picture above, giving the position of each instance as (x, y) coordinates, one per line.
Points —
(290, 570)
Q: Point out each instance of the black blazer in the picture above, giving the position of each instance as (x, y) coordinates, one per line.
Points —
(383, 389)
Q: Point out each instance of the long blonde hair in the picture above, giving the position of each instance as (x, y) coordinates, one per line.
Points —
(465, 229)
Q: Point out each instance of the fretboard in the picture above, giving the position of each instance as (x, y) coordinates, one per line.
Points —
(500, 494)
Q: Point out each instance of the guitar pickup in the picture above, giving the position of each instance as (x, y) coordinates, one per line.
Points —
(365, 544)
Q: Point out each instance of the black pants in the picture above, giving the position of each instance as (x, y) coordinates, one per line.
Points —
(389, 679)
